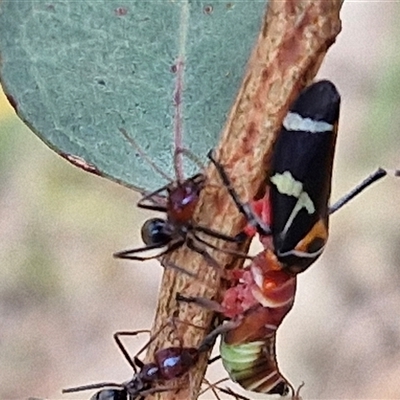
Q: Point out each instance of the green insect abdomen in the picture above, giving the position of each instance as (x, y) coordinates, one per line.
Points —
(253, 365)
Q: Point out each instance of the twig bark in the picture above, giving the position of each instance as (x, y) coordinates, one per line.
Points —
(294, 38)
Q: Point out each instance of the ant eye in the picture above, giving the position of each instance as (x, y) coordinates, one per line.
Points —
(155, 231)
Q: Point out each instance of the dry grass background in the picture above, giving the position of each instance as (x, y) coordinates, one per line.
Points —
(62, 295)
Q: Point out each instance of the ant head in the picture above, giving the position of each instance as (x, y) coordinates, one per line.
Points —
(189, 356)
(110, 394)
(155, 231)
(149, 373)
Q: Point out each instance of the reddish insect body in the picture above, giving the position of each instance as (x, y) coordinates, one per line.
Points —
(292, 220)
(259, 298)
(257, 301)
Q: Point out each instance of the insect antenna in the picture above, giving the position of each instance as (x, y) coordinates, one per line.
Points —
(178, 161)
(215, 386)
(178, 134)
(232, 393)
(296, 393)
(143, 155)
(191, 156)
(369, 180)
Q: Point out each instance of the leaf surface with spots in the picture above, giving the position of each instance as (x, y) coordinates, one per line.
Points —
(78, 71)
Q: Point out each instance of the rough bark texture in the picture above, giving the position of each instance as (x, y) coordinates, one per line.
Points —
(294, 38)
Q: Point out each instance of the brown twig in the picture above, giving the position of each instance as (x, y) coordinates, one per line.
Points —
(294, 38)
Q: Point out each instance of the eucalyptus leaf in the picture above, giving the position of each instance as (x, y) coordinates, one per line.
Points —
(78, 71)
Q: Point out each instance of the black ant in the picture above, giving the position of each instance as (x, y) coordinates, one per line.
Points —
(169, 364)
(179, 203)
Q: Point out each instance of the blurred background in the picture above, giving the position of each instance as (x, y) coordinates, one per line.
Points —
(62, 295)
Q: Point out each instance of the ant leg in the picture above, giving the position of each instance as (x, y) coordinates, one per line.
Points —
(232, 393)
(117, 335)
(374, 177)
(212, 360)
(211, 305)
(152, 338)
(172, 265)
(215, 234)
(175, 320)
(227, 390)
(126, 254)
(204, 253)
(151, 207)
(155, 390)
(135, 361)
(212, 387)
(159, 202)
(226, 251)
(209, 341)
(245, 208)
(93, 386)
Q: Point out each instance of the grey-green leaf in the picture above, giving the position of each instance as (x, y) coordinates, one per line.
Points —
(78, 71)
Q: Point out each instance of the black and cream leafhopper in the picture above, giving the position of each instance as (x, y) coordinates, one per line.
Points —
(301, 172)
(297, 198)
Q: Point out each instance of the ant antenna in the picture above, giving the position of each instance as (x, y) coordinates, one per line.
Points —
(179, 151)
(178, 161)
(143, 154)
(192, 157)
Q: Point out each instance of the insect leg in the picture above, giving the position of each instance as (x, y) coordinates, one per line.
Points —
(92, 386)
(127, 254)
(124, 351)
(245, 208)
(201, 302)
(215, 234)
(224, 250)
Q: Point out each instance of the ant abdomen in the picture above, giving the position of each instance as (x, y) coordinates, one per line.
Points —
(110, 394)
(155, 231)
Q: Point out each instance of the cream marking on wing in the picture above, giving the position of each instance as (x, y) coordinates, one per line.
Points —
(302, 254)
(295, 122)
(286, 184)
